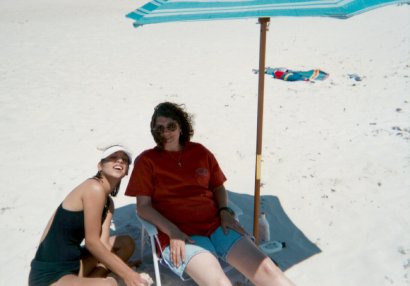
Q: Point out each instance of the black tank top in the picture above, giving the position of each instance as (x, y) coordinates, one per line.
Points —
(62, 242)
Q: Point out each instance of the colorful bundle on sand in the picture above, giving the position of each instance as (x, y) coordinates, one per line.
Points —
(289, 75)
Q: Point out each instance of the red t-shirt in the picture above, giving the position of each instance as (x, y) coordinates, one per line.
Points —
(183, 193)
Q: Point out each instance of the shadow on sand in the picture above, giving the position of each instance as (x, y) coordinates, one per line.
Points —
(298, 246)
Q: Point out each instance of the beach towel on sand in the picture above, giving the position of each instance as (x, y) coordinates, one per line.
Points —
(290, 75)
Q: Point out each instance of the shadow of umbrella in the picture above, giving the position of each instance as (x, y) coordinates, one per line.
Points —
(298, 246)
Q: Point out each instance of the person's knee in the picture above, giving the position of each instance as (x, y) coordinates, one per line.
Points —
(268, 269)
(129, 244)
(124, 247)
(110, 281)
(222, 281)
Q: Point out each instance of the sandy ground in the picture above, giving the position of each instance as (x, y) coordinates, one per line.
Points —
(76, 76)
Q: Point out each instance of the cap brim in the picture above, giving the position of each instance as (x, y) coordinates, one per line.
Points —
(111, 150)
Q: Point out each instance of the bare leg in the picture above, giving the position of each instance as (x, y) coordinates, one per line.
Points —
(205, 269)
(74, 280)
(122, 246)
(248, 259)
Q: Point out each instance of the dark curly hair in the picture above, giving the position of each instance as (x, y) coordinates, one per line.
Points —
(176, 112)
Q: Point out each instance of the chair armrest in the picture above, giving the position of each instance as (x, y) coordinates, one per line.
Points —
(149, 227)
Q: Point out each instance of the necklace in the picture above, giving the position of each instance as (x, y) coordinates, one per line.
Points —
(177, 160)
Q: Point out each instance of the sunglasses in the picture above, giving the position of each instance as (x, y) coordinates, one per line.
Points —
(172, 126)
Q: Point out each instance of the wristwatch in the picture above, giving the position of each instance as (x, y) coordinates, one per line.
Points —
(228, 209)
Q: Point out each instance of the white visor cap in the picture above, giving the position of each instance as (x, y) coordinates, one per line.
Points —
(115, 148)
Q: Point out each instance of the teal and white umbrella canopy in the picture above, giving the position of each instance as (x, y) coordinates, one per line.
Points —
(159, 11)
(163, 11)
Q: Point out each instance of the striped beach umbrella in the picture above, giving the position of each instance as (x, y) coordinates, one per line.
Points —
(162, 11)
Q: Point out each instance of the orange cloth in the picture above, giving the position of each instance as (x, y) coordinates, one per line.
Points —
(183, 194)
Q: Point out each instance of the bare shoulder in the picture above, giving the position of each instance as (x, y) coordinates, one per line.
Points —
(92, 184)
(91, 188)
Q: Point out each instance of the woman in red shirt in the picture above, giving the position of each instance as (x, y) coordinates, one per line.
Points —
(179, 188)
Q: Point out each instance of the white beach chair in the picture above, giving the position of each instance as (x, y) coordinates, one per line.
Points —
(149, 229)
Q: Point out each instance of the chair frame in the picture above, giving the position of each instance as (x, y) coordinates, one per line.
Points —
(151, 230)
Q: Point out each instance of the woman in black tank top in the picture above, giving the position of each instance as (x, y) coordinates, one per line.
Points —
(85, 216)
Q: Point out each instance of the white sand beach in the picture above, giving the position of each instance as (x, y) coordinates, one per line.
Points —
(76, 76)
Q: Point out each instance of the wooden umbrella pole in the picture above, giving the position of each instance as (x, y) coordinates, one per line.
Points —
(261, 88)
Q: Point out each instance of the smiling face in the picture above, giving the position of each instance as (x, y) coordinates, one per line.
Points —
(164, 114)
(115, 165)
(169, 131)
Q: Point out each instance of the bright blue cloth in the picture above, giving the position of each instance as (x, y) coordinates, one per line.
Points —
(218, 243)
(290, 75)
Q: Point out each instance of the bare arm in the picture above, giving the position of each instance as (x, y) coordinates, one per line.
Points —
(93, 203)
(105, 229)
(221, 196)
(227, 220)
(176, 236)
(147, 212)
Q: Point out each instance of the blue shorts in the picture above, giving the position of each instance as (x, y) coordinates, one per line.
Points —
(218, 243)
